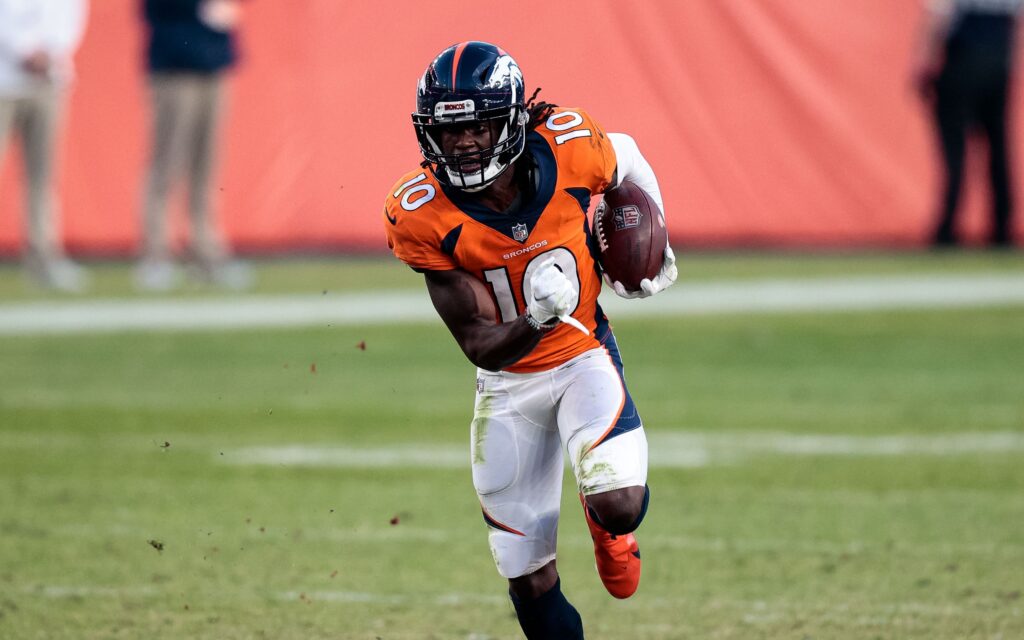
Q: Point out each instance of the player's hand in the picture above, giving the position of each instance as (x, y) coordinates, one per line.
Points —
(551, 294)
(648, 287)
(220, 15)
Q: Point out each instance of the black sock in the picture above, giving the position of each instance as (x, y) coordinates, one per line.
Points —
(548, 617)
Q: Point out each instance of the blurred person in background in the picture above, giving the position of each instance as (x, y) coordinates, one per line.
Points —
(38, 39)
(191, 46)
(963, 70)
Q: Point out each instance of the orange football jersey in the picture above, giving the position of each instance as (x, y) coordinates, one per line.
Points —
(432, 227)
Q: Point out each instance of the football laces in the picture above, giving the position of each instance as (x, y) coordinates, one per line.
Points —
(602, 241)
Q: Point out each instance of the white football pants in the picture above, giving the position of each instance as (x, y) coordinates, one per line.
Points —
(521, 425)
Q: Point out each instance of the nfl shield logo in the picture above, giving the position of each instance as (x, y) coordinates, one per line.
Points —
(519, 232)
(626, 217)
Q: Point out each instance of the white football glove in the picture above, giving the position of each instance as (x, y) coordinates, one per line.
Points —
(551, 294)
(649, 287)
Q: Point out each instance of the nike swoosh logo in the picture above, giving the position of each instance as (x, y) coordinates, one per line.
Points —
(390, 219)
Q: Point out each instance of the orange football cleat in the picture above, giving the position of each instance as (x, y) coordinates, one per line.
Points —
(618, 558)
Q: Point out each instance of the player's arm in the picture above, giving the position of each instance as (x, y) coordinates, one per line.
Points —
(633, 166)
(466, 307)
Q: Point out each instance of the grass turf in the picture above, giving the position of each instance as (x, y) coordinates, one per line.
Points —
(115, 445)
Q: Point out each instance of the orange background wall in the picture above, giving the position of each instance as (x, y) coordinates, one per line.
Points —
(769, 122)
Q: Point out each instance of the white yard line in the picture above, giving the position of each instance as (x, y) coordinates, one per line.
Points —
(763, 296)
(301, 455)
(677, 449)
(759, 610)
(754, 611)
(438, 599)
(89, 591)
(58, 592)
(404, 533)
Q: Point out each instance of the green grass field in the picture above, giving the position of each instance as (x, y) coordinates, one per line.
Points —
(863, 477)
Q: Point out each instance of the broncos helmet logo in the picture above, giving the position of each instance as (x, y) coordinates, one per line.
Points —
(505, 73)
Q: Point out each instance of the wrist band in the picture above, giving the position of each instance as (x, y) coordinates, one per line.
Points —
(540, 326)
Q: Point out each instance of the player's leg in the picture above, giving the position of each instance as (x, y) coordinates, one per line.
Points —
(169, 110)
(40, 124)
(992, 116)
(543, 611)
(606, 443)
(517, 473)
(951, 119)
(39, 141)
(207, 244)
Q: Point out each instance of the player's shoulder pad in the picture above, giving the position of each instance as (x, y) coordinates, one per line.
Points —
(413, 195)
(582, 149)
(568, 123)
(417, 218)
(411, 192)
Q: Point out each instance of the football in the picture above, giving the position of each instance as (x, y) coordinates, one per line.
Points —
(631, 235)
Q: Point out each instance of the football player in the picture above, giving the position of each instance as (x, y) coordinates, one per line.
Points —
(495, 219)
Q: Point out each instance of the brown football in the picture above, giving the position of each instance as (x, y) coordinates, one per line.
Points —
(631, 235)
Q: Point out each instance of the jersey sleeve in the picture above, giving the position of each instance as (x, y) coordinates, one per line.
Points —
(585, 154)
(416, 237)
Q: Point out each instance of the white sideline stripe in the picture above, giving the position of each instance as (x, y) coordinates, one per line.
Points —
(767, 296)
(841, 445)
(87, 591)
(299, 455)
(756, 611)
(831, 294)
(388, 535)
(672, 450)
(443, 599)
(101, 316)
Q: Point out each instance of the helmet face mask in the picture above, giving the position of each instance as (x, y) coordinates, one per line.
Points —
(501, 142)
(476, 86)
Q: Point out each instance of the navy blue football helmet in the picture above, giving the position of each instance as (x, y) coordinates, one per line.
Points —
(471, 83)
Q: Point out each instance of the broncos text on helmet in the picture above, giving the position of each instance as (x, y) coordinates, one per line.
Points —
(471, 84)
